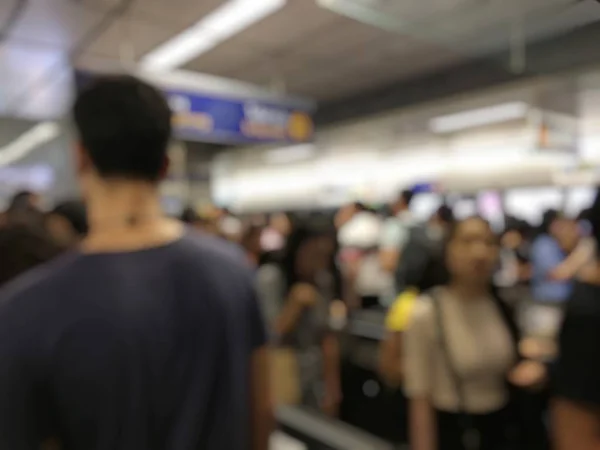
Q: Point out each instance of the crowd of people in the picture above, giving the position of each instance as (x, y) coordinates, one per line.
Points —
(121, 328)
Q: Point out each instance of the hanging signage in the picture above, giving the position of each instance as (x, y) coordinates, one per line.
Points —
(204, 117)
(209, 117)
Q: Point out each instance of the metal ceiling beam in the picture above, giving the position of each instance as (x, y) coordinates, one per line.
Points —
(567, 52)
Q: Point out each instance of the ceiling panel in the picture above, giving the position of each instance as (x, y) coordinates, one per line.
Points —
(6, 9)
(226, 58)
(357, 78)
(343, 39)
(56, 23)
(48, 98)
(130, 39)
(299, 23)
(178, 13)
(24, 65)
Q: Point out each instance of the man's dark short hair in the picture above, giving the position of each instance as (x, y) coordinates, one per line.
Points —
(406, 196)
(445, 214)
(124, 126)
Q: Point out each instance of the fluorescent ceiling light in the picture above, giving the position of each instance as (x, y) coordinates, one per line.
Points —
(479, 117)
(223, 23)
(28, 141)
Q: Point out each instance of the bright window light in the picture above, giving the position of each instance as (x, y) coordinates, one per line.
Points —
(290, 154)
(223, 23)
(28, 141)
(479, 117)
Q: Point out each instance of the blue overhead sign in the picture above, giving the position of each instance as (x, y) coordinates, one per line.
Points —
(206, 117)
(211, 117)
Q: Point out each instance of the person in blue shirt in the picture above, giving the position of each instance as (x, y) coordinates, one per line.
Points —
(547, 254)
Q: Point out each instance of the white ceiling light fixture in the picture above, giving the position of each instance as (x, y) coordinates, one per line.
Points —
(40, 134)
(479, 117)
(223, 23)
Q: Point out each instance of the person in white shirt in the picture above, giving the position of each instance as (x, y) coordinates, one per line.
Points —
(358, 237)
(395, 232)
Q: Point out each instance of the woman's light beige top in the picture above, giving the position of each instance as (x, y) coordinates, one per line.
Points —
(481, 350)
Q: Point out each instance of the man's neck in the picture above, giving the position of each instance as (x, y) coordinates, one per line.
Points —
(127, 216)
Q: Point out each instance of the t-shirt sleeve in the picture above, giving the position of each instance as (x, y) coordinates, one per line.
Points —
(416, 352)
(577, 371)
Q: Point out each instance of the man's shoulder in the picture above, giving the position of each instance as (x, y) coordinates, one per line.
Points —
(36, 283)
(214, 259)
(216, 249)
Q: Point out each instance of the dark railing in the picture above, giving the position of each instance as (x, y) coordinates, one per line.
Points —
(318, 432)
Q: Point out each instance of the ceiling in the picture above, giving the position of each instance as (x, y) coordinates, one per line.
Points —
(324, 50)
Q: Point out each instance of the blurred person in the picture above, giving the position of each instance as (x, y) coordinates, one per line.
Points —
(275, 234)
(460, 349)
(297, 296)
(358, 238)
(251, 243)
(548, 251)
(582, 254)
(25, 199)
(421, 270)
(396, 232)
(67, 223)
(514, 267)
(28, 215)
(23, 247)
(577, 373)
(148, 336)
(542, 317)
(230, 227)
(190, 217)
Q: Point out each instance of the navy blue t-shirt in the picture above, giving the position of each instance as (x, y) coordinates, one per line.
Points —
(140, 350)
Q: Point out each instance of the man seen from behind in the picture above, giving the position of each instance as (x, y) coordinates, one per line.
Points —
(146, 337)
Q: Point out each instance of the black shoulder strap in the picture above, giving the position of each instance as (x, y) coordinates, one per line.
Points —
(471, 438)
(443, 343)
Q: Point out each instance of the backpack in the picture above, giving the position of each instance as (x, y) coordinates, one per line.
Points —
(420, 264)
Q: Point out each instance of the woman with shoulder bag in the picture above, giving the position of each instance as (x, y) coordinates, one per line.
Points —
(297, 295)
(461, 349)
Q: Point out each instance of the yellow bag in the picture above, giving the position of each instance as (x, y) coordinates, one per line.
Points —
(398, 316)
(285, 376)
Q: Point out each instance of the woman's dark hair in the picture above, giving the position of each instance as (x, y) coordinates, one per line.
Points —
(74, 212)
(189, 215)
(548, 217)
(27, 215)
(299, 236)
(23, 246)
(436, 271)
